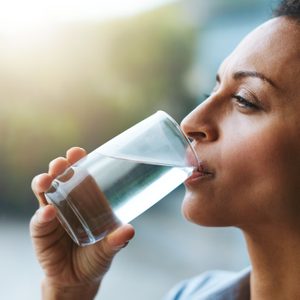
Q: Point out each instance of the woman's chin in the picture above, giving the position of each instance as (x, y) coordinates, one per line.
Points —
(202, 212)
(193, 213)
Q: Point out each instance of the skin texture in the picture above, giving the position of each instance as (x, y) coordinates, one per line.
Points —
(253, 153)
(247, 136)
(252, 150)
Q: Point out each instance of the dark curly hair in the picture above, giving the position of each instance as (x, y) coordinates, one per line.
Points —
(288, 8)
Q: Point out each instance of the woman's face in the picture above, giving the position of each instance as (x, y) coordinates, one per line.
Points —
(247, 133)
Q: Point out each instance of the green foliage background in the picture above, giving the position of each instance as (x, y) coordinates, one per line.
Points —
(81, 84)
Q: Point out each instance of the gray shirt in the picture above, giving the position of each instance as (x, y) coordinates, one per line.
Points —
(214, 285)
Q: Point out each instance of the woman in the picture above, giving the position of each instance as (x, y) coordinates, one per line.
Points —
(247, 134)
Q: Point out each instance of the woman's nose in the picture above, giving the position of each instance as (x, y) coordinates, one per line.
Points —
(200, 125)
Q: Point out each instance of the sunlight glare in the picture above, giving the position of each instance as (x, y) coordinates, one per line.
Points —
(18, 17)
(21, 16)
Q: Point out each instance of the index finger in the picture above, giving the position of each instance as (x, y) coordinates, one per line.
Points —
(74, 154)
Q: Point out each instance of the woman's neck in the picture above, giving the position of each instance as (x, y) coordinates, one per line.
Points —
(275, 259)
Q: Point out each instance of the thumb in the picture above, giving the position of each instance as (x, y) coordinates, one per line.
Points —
(120, 237)
(103, 252)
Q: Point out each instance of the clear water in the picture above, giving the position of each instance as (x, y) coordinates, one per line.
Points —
(99, 193)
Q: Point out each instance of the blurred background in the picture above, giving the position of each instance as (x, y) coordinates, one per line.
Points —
(79, 72)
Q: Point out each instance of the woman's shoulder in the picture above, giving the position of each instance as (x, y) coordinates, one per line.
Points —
(214, 285)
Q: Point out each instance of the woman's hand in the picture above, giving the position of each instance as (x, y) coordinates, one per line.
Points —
(71, 272)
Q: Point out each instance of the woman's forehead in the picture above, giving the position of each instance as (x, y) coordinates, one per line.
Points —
(272, 49)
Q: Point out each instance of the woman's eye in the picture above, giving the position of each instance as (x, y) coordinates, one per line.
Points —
(244, 103)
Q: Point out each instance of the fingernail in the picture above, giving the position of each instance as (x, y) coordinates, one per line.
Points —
(117, 248)
(125, 244)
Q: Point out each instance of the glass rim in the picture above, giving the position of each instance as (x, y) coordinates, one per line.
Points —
(175, 123)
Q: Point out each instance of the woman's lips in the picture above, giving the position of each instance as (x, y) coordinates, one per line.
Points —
(202, 172)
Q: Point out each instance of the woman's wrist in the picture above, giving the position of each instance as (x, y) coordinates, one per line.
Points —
(52, 291)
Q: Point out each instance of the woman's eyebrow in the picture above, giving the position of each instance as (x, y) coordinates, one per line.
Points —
(243, 74)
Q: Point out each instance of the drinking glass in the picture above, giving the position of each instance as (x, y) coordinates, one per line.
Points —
(121, 179)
